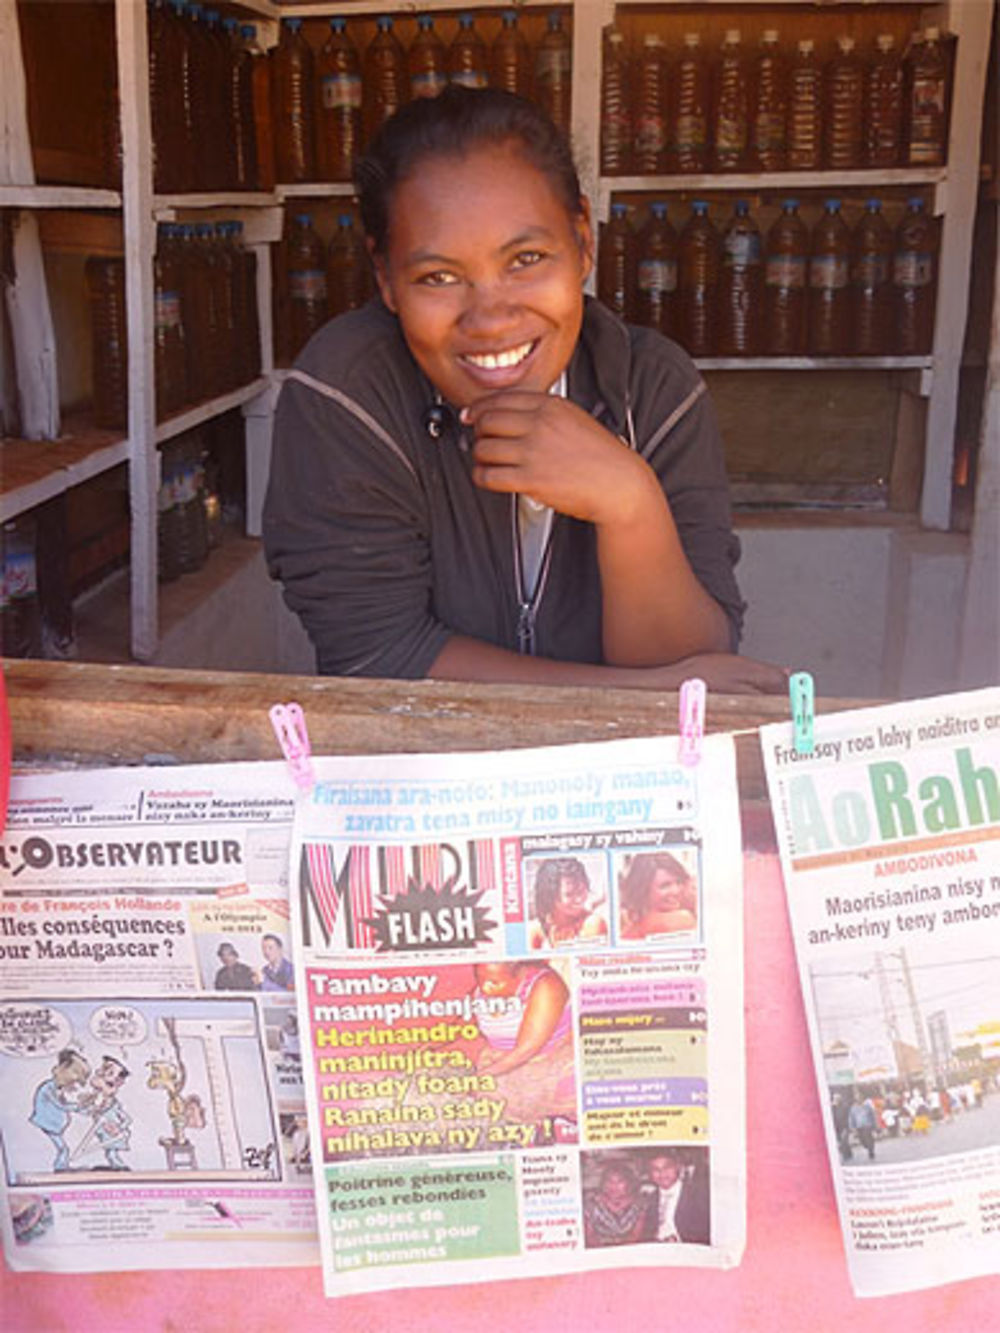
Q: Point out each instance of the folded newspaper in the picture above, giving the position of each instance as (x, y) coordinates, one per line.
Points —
(521, 1011)
(890, 843)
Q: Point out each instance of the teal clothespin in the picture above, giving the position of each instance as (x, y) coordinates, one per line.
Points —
(802, 697)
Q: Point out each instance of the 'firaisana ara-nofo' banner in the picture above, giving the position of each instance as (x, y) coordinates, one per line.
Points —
(521, 1011)
(890, 842)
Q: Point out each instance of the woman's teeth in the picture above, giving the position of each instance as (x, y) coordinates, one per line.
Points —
(500, 360)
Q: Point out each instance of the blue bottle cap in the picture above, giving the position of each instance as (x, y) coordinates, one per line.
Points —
(465, 20)
(741, 207)
(303, 219)
(873, 205)
(699, 205)
(658, 209)
(344, 220)
(384, 23)
(619, 210)
(915, 201)
(248, 32)
(554, 20)
(293, 24)
(832, 205)
(338, 24)
(509, 17)
(789, 203)
(425, 22)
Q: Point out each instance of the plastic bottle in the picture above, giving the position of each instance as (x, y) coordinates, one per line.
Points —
(245, 312)
(884, 100)
(467, 59)
(222, 168)
(829, 329)
(650, 129)
(510, 58)
(427, 59)
(741, 286)
(785, 272)
(348, 268)
(162, 84)
(386, 78)
(111, 136)
(20, 614)
(225, 276)
(690, 106)
(768, 105)
(805, 109)
(263, 108)
(211, 311)
(616, 119)
(293, 107)
(168, 332)
(105, 278)
(699, 261)
(338, 73)
(914, 280)
(306, 268)
(196, 299)
(168, 534)
(244, 149)
(871, 260)
(554, 72)
(201, 73)
(927, 119)
(730, 106)
(616, 263)
(844, 109)
(656, 272)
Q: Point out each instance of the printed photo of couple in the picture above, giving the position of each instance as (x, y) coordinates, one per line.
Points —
(636, 1195)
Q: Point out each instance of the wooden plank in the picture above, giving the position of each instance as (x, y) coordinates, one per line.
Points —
(71, 232)
(94, 715)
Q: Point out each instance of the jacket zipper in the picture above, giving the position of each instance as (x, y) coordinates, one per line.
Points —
(527, 607)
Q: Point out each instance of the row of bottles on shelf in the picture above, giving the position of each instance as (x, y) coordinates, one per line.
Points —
(226, 114)
(327, 104)
(774, 111)
(317, 281)
(20, 612)
(831, 290)
(206, 334)
(189, 520)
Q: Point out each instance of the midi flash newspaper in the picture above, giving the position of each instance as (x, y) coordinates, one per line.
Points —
(521, 1011)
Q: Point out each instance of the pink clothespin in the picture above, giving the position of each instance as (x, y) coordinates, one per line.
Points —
(691, 720)
(289, 723)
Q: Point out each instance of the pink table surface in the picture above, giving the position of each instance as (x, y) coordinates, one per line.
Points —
(793, 1275)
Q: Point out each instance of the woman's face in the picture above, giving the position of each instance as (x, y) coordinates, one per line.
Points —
(571, 904)
(617, 1189)
(485, 269)
(666, 892)
(497, 978)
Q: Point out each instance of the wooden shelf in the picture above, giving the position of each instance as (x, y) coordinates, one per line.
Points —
(315, 190)
(813, 362)
(33, 471)
(212, 407)
(57, 196)
(877, 178)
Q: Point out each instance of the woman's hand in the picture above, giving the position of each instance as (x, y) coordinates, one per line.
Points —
(724, 673)
(543, 446)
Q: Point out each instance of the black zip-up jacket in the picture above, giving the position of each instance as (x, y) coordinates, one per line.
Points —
(386, 547)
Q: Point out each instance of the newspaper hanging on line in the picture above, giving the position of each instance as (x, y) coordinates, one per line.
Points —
(890, 844)
(521, 1011)
(151, 1099)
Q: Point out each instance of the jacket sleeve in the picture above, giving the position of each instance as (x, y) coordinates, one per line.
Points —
(679, 437)
(346, 532)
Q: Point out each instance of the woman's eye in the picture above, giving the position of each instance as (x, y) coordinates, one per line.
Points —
(439, 278)
(528, 258)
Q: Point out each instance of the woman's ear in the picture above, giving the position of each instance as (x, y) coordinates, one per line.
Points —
(585, 235)
(381, 275)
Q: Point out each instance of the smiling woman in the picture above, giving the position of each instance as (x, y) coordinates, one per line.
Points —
(484, 475)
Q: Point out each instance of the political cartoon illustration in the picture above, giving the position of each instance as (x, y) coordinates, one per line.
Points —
(148, 1088)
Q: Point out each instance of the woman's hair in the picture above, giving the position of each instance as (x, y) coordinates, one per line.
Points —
(452, 124)
(638, 879)
(625, 1172)
(550, 875)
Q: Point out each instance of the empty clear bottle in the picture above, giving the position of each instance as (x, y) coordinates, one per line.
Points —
(871, 288)
(805, 109)
(387, 79)
(306, 268)
(616, 263)
(339, 75)
(699, 262)
(927, 119)
(656, 272)
(768, 106)
(105, 278)
(650, 129)
(348, 268)
(914, 280)
(829, 290)
(785, 272)
(689, 109)
(553, 72)
(292, 82)
(741, 286)
(428, 60)
(844, 108)
(616, 119)
(884, 102)
(730, 106)
(510, 58)
(467, 58)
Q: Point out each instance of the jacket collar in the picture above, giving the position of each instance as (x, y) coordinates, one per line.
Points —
(599, 368)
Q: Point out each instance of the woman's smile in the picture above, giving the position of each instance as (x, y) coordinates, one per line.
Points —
(485, 267)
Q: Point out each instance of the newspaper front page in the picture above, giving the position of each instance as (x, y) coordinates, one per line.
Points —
(890, 843)
(521, 1011)
(152, 1110)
